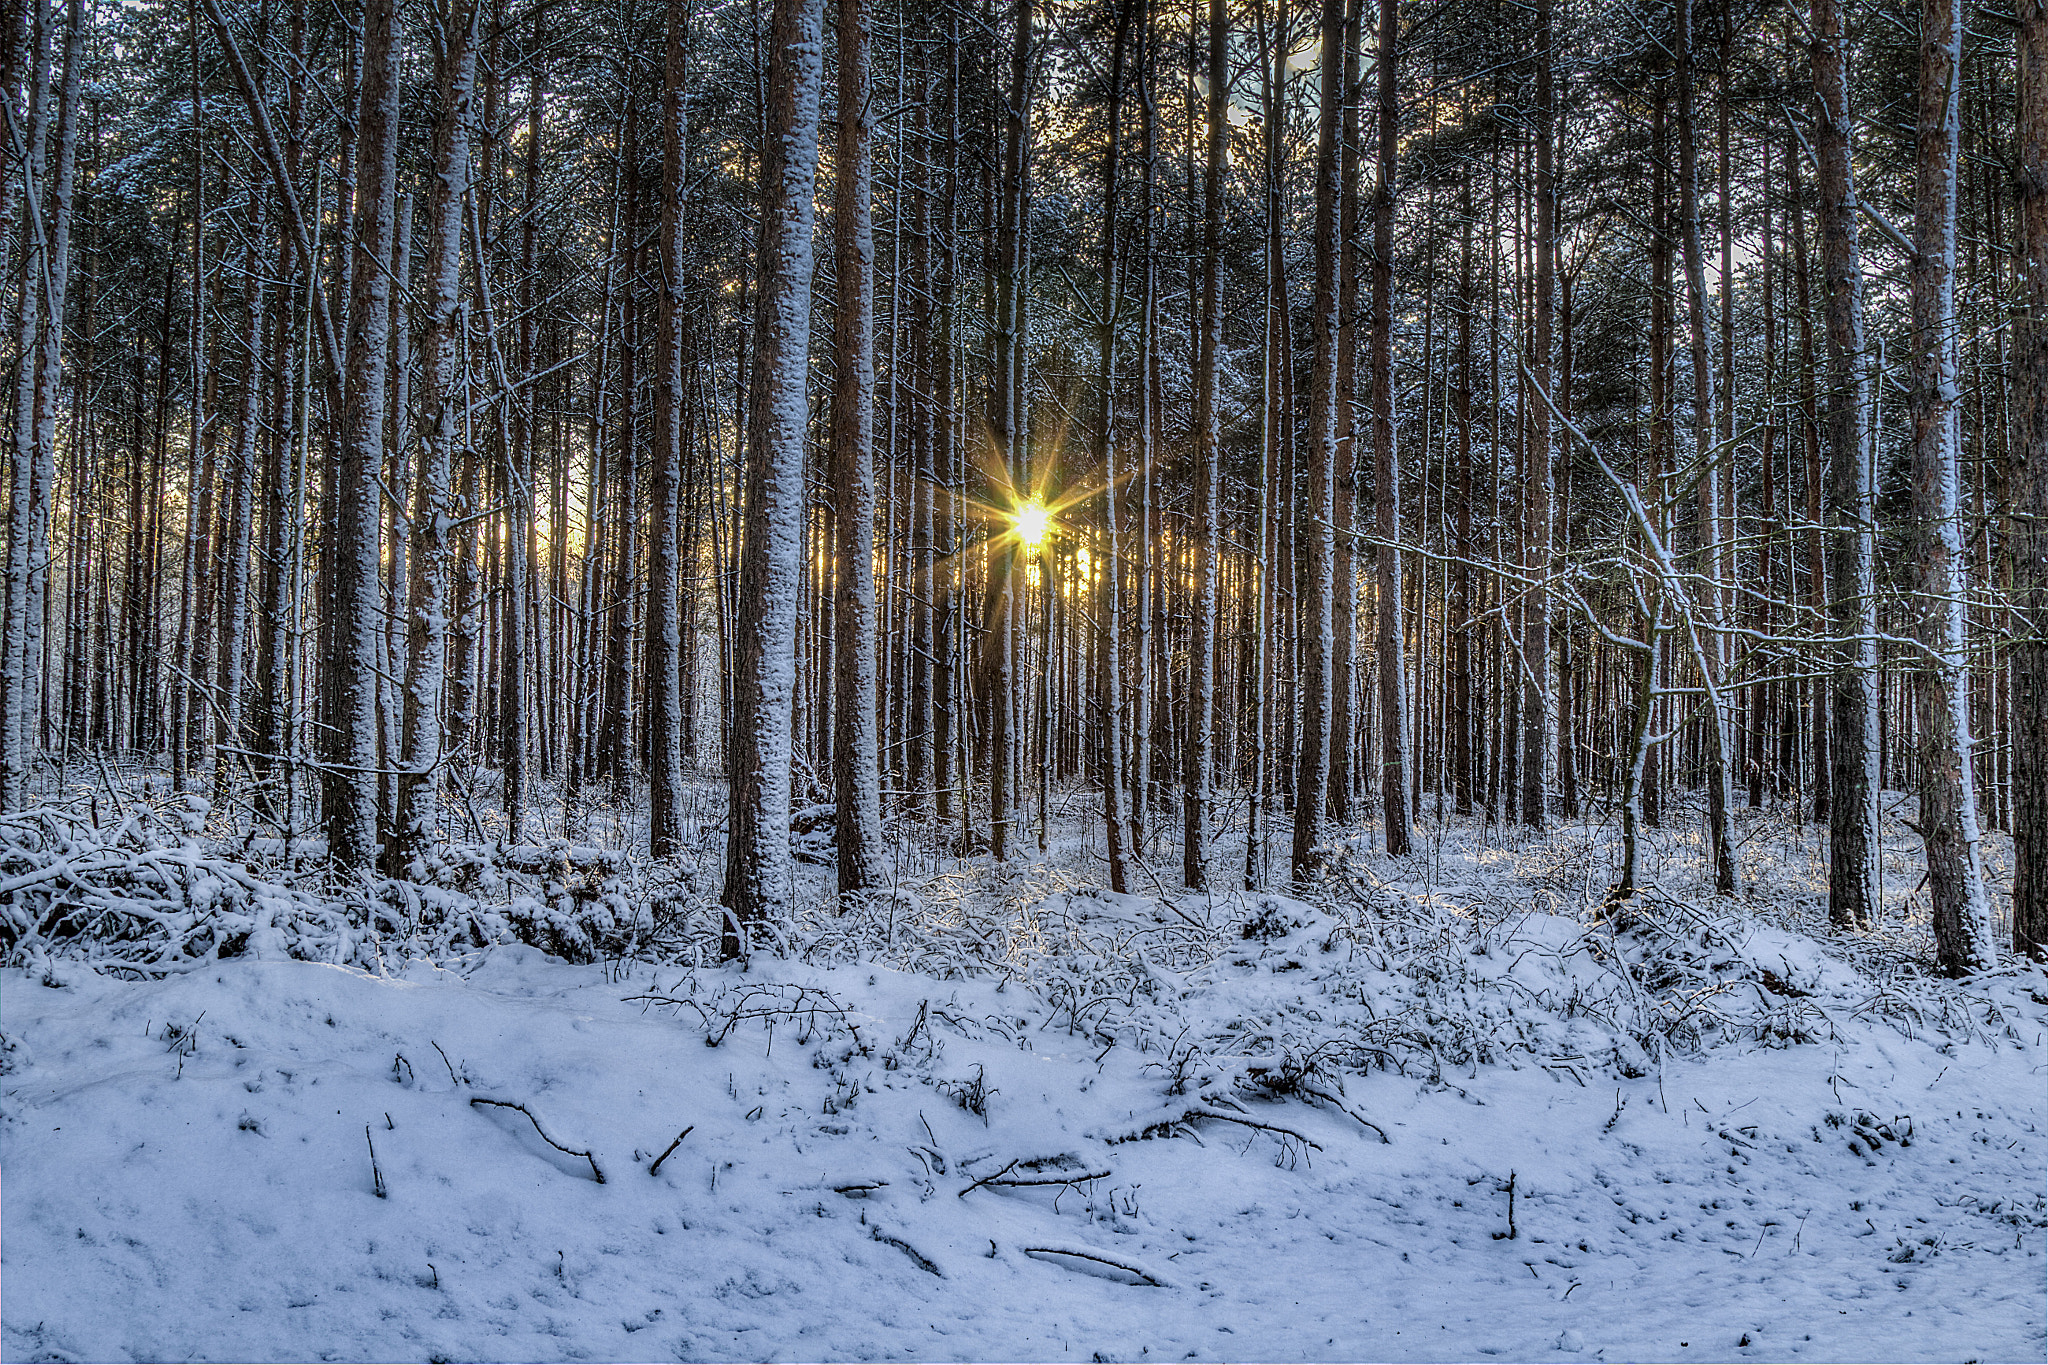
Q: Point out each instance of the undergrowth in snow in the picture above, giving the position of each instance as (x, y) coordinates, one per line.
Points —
(1445, 1107)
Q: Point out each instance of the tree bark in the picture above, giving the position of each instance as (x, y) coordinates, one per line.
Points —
(1719, 765)
(1853, 740)
(1948, 796)
(757, 878)
(1391, 644)
(440, 429)
(856, 778)
(1312, 768)
(666, 638)
(349, 750)
(1196, 756)
(2027, 487)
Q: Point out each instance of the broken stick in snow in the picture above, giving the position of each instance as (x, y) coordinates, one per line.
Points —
(376, 1175)
(655, 1169)
(597, 1174)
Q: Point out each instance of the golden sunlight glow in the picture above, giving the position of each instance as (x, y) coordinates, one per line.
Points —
(1028, 524)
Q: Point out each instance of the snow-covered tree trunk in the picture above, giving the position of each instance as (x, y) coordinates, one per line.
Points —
(665, 635)
(926, 431)
(17, 689)
(1274, 419)
(615, 752)
(1391, 641)
(195, 575)
(1318, 649)
(757, 876)
(441, 428)
(240, 522)
(349, 750)
(1852, 511)
(1539, 712)
(1346, 705)
(1948, 796)
(1109, 637)
(949, 747)
(50, 374)
(1009, 417)
(1719, 763)
(14, 45)
(2027, 484)
(1460, 702)
(856, 774)
(1201, 694)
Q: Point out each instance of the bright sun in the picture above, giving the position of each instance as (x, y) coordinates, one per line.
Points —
(1028, 522)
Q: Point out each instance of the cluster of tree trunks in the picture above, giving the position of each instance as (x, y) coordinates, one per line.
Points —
(409, 421)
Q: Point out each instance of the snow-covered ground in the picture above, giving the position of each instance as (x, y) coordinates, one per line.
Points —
(1449, 1114)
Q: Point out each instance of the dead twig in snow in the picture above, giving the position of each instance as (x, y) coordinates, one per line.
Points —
(655, 1169)
(596, 1173)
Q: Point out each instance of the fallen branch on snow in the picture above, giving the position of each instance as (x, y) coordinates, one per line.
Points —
(597, 1174)
(1138, 1273)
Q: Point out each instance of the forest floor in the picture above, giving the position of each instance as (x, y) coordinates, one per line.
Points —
(1447, 1110)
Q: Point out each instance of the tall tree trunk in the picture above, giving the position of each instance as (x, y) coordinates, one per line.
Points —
(1853, 741)
(2027, 487)
(1948, 796)
(1539, 723)
(1109, 642)
(1312, 768)
(665, 634)
(349, 751)
(1009, 407)
(1719, 765)
(1196, 756)
(1462, 720)
(17, 691)
(46, 272)
(1273, 56)
(1346, 704)
(757, 877)
(1391, 645)
(441, 424)
(235, 610)
(856, 777)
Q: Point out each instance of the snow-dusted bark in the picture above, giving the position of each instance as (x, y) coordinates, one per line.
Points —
(349, 748)
(1009, 400)
(1312, 768)
(1461, 622)
(1273, 420)
(1941, 689)
(615, 753)
(241, 498)
(16, 677)
(440, 430)
(14, 39)
(1391, 638)
(2027, 482)
(665, 635)
(757, 870)
(1719, 764)
(924, 428)
(1201, 693)
(949, 748)
(1539, 714)
(856, 774)
(1109, 640)
(1852, 511)
(1347, 705)
(46, 274)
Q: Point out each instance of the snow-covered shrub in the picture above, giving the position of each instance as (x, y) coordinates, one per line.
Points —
(150, 893)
